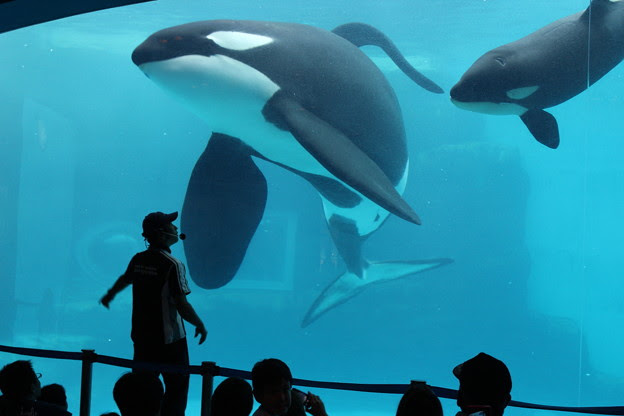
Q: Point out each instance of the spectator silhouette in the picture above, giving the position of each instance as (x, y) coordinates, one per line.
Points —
(138, 394)
(419, 400)
(20, 388)
(272, 386)
(54, 394)
(484, 385)
(52, 401)
(271, 380)
(232, 397)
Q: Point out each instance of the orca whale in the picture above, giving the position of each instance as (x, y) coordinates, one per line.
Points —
(545, 68)
(305, 99)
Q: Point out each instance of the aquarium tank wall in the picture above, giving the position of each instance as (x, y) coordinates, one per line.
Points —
(528, 238)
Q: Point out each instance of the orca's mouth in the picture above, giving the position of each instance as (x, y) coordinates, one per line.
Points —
(464, 105)
(460, 94)
(166, 45)
(154, 49)
(489, 107)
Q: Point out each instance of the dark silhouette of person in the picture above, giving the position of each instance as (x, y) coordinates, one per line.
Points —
(484, 386)
(272, 388)
(52, 401)
(159, 306)
(419, 400)
(54, 394)
(272, 382)
(139, 393)
(20, 388)
(232, 397)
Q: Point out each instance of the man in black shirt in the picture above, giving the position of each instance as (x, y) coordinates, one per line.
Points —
(159, 306)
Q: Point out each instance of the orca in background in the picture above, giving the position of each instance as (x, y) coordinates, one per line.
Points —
(545, 68)
(301, 97)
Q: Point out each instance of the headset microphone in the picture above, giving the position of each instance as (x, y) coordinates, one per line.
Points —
(181, 236)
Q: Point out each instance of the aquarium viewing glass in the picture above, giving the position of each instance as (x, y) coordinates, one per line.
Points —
(89, 146)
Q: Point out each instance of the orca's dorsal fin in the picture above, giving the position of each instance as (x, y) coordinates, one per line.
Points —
(362, 34)
(543, 126)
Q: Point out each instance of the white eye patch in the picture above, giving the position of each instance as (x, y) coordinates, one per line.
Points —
(520, 93)
(239, 41)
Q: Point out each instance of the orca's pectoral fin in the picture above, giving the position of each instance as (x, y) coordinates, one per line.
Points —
(224, 203)
(361, 34)
(543, 126)
(337, 154)
(348, 285)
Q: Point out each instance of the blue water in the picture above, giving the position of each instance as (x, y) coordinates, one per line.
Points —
(535, 234)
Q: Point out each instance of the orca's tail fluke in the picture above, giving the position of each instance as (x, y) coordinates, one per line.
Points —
(349, 284)
(361, 34)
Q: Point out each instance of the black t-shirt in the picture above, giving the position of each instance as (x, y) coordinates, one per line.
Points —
(157, 278)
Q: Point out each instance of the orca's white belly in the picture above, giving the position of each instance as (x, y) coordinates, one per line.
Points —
(230, 97)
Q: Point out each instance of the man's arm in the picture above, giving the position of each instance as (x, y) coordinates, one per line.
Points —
(121, 283)
(187, 312)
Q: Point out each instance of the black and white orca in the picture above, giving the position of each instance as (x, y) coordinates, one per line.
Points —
(305, 99)
(545, 68)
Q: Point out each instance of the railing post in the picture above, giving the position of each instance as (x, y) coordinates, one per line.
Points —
(88, 357)
(208, 371)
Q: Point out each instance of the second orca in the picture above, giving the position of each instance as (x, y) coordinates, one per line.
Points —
(545, 68)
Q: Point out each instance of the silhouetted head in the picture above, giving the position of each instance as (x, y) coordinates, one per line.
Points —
(483, 381)
(233, 397)
(54, 394)
(419, 400)
(158, 228)
(19, 381)
(272, 382)
(138, 394)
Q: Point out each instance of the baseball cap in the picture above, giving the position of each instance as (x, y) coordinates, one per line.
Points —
(484, 376)
(156, 220)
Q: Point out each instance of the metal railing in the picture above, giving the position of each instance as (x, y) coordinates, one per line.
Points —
(208, 370)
